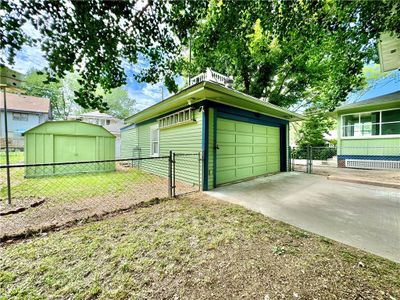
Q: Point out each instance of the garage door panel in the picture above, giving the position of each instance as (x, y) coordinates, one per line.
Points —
(244, 139)
(262, 159)
(226, 150)
(244, 127)
(244, 172)
(260, 129)
(226, 137)
(271, 168)
(244, 160)
(273, 131)
(225, 176)
(226, 125)
(272, 159)
(227, 162)
(272, 149)
(245, 150)
(259, 149)
(260, 170)
(260, 140)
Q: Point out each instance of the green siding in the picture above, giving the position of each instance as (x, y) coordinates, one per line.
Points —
(377, 146)
(68, 141)
(129, 143)
(185, 138)
(366, 146)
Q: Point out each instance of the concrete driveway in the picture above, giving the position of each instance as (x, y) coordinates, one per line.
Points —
(362, 216)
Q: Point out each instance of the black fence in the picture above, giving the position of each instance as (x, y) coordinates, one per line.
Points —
(128, 179)
(321, 159)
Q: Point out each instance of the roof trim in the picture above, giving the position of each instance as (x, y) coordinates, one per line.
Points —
(371, 102)
(67, 121)
(199, 89)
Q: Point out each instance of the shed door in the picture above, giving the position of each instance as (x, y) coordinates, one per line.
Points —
(245, 150)
(74, 148)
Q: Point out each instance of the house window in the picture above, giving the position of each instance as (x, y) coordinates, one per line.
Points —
(20, 117)
(178, 118)
(375, 123)
(154, 140)
(107, 122)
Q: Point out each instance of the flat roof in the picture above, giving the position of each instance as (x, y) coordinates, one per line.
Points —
(207, 90)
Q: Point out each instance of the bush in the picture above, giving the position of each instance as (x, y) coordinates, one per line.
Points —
(318, 153)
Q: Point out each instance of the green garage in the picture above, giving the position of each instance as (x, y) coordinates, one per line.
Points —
(68, 141)
(240, 137)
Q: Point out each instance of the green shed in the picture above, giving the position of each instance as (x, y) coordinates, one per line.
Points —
(68, 141)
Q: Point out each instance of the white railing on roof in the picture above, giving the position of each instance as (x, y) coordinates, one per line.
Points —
(211, 75)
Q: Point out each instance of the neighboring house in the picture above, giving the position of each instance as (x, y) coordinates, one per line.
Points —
(240, 136)
(109, 122)
(23, 113)
(369, 133)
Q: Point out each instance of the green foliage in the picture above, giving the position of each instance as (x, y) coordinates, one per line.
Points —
(293, 52)
(313, 129)
(94, 37)
(120, 104)
(288, 52)
(60, 93)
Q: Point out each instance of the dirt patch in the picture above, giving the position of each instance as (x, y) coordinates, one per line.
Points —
(192, 248)
(55, 214)
(18, 207)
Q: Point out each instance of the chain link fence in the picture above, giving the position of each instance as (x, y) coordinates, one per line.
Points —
(61, 192)
(322, 159)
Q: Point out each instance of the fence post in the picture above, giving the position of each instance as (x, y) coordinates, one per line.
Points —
(308, 159)
(173, 175)
(311, 159)
(170, 174)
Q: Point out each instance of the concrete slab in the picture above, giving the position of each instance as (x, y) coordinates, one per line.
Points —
(362, 216)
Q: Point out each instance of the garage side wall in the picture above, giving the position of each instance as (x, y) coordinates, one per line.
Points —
(185, 138)
(129, 142)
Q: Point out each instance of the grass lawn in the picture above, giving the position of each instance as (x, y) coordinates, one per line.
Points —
(67, 188)
(15, 157)
(192, 248)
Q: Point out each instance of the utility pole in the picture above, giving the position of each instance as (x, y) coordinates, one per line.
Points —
(10, 80)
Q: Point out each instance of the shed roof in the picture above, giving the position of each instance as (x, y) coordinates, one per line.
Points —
(207, 90)
(70, 127)
(18, 102)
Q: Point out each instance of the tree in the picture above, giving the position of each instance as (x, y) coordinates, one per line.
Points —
(293, 52)
(313, 130)
(120, 104)
(94, 37)
(60, 93)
